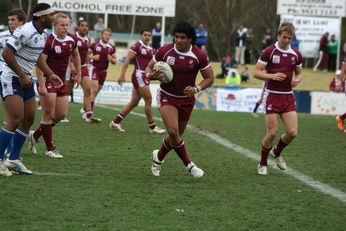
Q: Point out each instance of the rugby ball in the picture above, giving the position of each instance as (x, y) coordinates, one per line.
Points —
(166, 69)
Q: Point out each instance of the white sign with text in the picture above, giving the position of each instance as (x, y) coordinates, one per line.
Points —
(309, 31)
(123, 7)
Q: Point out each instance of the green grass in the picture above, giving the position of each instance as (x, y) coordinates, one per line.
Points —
(114, 188)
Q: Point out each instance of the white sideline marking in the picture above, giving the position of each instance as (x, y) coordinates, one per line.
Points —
(54, 174)
(308, 180)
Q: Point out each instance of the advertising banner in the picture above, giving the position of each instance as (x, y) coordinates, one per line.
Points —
(242, 100)
(328, 103)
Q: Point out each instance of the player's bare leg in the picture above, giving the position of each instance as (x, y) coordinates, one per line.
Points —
(115, 123)
(95, 89)
(86, 86)
(271, 122)
(290, 122)
(146, 95)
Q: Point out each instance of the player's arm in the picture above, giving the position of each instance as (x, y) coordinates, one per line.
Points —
(42, 90)
(261, 74)
(10, 59)
(130, 56)
(76, 63)
(112, 58)
(208, 80)
(42, 64)
(297, 76)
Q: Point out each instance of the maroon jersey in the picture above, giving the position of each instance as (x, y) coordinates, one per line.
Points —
(278, 60)
(83, 45)
(59, 52)
(185, 67)
(103, 50)
(144, 53)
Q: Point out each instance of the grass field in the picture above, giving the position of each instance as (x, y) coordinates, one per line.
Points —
(104, 181)
(312, 81)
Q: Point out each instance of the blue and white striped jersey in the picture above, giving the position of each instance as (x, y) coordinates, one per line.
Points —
(4, 36)
(27, 44)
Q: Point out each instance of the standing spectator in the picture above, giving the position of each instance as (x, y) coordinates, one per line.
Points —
(22, 52)
(141, 53)
(240, 44)
(156, 36)
(267, 38)
(295, 42)
(202, 34)
(98, 28)
(322, 62)
(281, 66)
(72, 26)
(332, 52)
(176, 99)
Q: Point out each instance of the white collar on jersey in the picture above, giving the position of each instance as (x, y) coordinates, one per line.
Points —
(289, 50)
(182, 53)
(104, 44)
(143, 44)
(60, 40)
(83, 38)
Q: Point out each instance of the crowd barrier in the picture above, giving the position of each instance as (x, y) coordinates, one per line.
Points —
(225, 99)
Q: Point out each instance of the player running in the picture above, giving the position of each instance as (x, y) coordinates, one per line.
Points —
(141, 53)
(102, 53)
(176, 98)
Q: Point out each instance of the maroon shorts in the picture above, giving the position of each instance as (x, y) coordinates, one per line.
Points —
(60, 91)
(184, 105)
(85, 71)
(279, 103)
(99, 75)
(139, 79)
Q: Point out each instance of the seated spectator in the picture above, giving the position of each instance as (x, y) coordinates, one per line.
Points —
(338, 82)
(233, 78)
(226, 64)
(244, 75)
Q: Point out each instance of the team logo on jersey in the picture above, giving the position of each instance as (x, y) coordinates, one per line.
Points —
(276, 59)
(293, 59)
(143, 51)
(57, 49)
(98, 48)
(170, 60)
(79, 43)
(36, 40)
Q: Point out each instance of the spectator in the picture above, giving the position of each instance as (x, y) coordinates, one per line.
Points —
(244, 75)
(233, 78)
(267, 38)
(338, 83)
(240, 44)
(156, 36)
(322, 61)
(332, 51)
(227, 63)
(202, 35)
(72, 26)
(98, 28)
(248, 49)
(295, 42)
